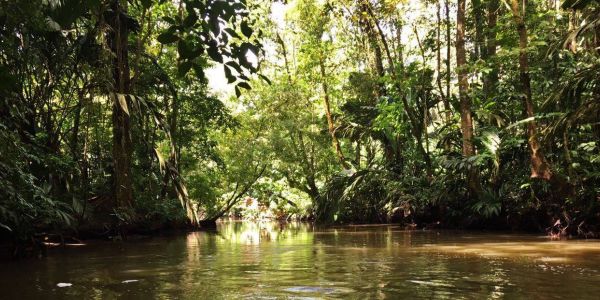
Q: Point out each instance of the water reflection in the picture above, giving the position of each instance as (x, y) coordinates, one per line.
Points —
(298, 260)
(532, 248)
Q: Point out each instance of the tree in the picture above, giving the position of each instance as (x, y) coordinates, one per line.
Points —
(539, 166)
(120, 26)
(466, 118)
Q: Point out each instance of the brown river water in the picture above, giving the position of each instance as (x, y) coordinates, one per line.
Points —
(245, 260)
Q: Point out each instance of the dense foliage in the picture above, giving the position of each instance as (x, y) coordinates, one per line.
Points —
(479, 114)
(105, 110)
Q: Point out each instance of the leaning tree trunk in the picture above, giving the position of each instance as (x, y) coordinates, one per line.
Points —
(330, 123)
(122, 146)
(390, 153)
(539, 165)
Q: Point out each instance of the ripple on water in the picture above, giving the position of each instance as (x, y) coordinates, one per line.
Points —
(299, 263)
(318, 290)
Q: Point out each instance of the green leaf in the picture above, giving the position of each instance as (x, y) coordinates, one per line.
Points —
(213, 52)
(215, 25)
(5, 227)
(146, 3)
(121, 101)
(232, 32)
(190, 20)
(186, 50)
(184, 67)
(161, 160)
(263, 77)
(190, 4)
(244, 85)
(199, 71)
(228, 74)
(223, 9)
(235, 66)
(246, 30)
(8, 82)
(238, 93)
(169, 20)
(167, 38)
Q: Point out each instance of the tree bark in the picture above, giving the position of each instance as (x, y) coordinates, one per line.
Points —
(306, 164)
(330, 123)
(122, 145)
(448, 58)
(466, 118)
(438, 43)
(572, 27)
(444, 96)
(539, 165)
(490, 79)
(478, 14)
(463, 84)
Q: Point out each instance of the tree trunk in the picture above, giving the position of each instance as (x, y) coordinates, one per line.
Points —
(466, 119)
(122, 146)
(310, 188)
(369, 30)
(478, 14)
(331, 126)
(74, 142)
(572, 27)
(463, 84)
(539, 165)
(490, 79)
(438, 52)
(438, 31)
(357, 154)
(447, 106)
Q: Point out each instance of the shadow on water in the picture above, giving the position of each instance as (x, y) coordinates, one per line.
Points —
(299, 260)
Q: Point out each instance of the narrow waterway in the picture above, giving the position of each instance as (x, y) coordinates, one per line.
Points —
(292, 261)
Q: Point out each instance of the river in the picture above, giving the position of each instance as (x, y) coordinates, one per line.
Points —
(245, 260)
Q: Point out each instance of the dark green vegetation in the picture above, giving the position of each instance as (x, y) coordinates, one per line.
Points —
(105, 113)
(477, 114)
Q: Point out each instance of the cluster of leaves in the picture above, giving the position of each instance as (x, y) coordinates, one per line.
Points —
(221, 29)
(24, 199)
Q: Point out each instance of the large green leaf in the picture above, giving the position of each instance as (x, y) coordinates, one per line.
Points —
(167, 38)
(245, 85)
(246, 30)
(146, 3)
(199, 71)
(190, 20)
(121, 101)
(213, 51)
(186, 50)
(228, 74)
(184, 67)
